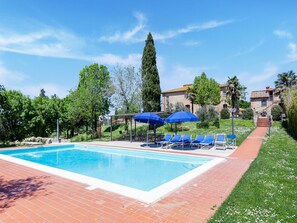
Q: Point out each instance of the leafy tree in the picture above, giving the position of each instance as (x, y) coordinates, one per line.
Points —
(248, 114)
(285, 79)
(127, 84)
(92, 97)
(225, 113)
(42, 93)
(244, 104)
(276, 112)
(235, 91)
(151, 90)
(179, 106)
(16, 114)
(169, 107)
(207, 91)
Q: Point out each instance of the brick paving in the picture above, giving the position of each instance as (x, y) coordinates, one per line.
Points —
(29, 195)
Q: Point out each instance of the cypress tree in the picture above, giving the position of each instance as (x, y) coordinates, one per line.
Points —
(151, 91)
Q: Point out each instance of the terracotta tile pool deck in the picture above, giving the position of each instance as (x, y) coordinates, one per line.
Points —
(29, 195)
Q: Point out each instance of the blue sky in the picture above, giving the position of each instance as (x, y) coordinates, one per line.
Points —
(45, 44)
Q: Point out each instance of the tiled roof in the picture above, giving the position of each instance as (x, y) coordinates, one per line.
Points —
(184, 88)
(181, 89)
(259, 94)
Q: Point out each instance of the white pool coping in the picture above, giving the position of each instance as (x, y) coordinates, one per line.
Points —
(144, 196)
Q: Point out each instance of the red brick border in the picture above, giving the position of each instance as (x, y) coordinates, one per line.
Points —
(28, 195)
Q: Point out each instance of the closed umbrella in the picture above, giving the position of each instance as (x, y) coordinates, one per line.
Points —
(150, 118)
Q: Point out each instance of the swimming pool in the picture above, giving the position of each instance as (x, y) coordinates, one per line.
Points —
(144, 175)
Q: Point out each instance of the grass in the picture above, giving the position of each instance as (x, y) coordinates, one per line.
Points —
(242, 129)
(267, 192)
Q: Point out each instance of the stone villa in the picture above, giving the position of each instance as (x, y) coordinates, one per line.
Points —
(179, 95)
(263, 100)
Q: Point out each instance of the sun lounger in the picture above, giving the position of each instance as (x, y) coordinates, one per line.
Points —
(186, 140)
(208, 142)
(176, 140)
(231, 141)
(220, 142)
(165, 140)
(197, 140)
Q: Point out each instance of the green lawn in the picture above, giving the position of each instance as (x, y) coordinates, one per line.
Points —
(268, 190)
(242, 129)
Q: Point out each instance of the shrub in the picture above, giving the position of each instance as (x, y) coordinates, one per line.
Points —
(276, 112)
(289, 98)
(81, 137)
(207, 114)
(216, 122)
(247, 114)
(225, 113)
(203, 124)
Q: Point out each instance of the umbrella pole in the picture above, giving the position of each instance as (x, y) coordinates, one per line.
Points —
(155, 141)
(182, 136)
(148, 127)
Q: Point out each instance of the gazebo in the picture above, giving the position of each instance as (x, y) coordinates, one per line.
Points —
(130, 117)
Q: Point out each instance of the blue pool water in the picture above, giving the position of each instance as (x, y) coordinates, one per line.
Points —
(137, 169)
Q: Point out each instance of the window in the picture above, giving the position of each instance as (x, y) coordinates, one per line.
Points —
(263, 103)
(188, 107)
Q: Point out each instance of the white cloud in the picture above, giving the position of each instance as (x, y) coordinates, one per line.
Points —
(47, 42)
(130, 35)
(111, 59)
(192, 43)
(292, 56)
(282, 34)
(249, 50)
(139, 32)
(268, 72)
(177, 76)
(7, 76)
(190, 28)
(50, 89)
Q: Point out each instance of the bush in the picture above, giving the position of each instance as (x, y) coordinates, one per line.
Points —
(82, 137)
(276, 112)
(225, 113)
(216, 122)
(207, 114)
(248, 114)
(203, 124)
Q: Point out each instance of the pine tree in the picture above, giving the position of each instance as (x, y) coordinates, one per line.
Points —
(151, 91)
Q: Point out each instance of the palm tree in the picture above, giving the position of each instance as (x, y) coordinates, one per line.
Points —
(235, 91)
(191, 95)
(285, 79)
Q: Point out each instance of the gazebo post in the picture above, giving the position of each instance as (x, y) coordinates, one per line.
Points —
(110, 128)
(134, 130)
(130, 129)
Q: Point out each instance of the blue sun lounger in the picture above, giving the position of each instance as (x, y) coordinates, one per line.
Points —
(197, 141)
(186, 140)
(165, 140)
(231, 141)
(208, 142)
(220, 142)
(176, 140)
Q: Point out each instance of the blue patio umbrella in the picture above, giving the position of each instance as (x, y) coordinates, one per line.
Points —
(150, 118)
(182, 116)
